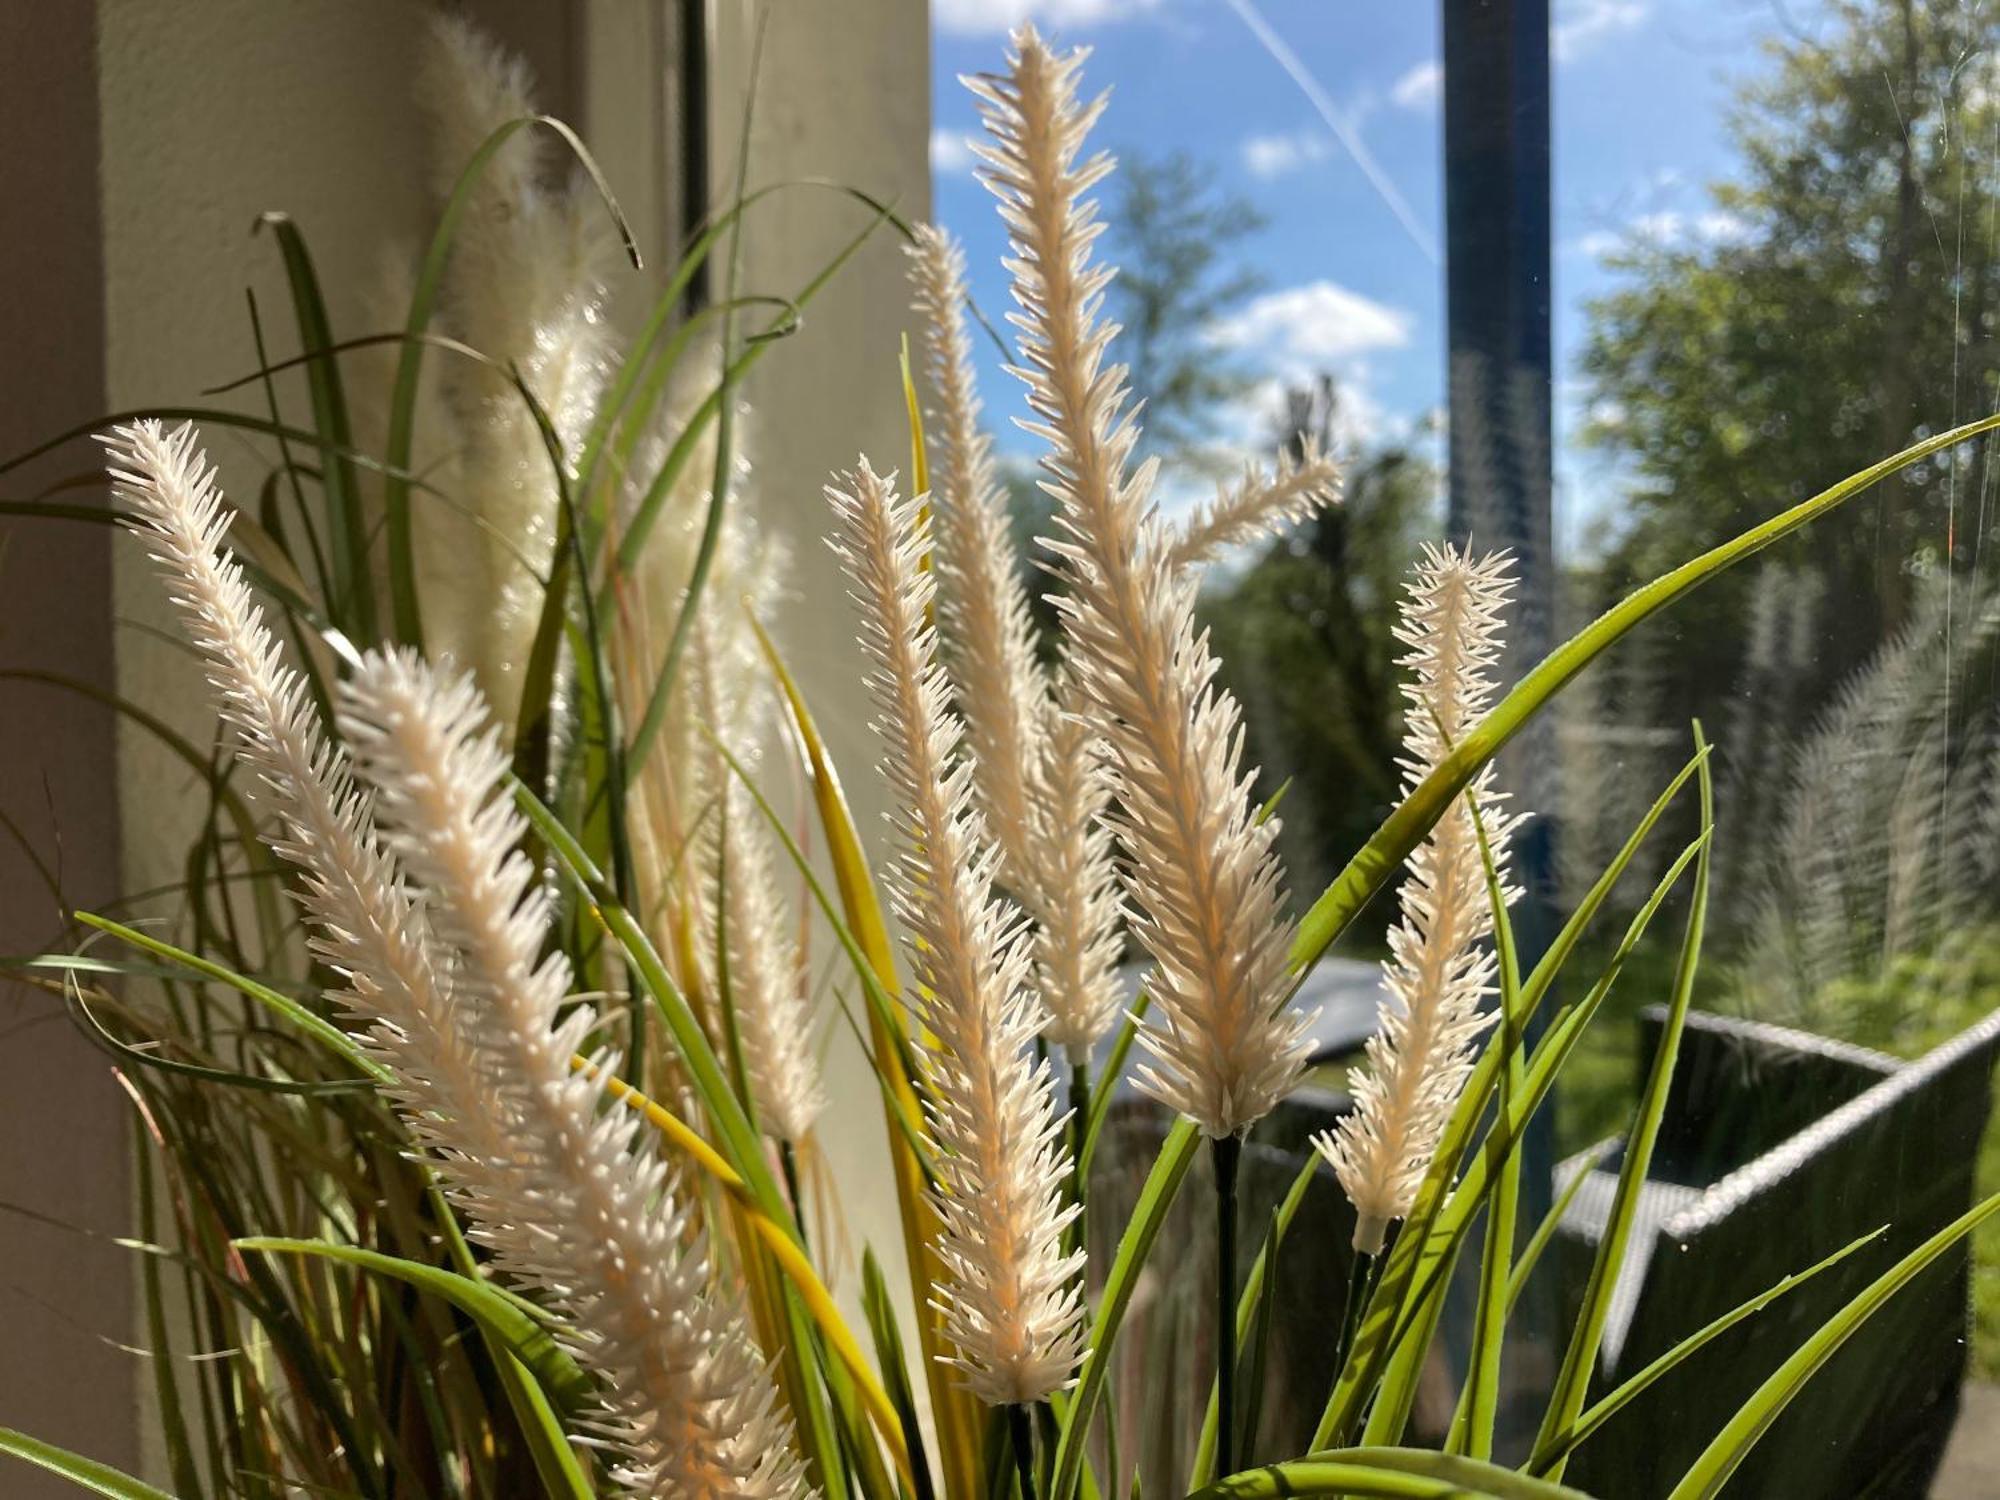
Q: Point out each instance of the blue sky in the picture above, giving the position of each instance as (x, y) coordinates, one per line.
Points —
(1642, 89)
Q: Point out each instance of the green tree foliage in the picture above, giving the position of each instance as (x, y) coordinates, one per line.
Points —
(1173, 234)
(1843, 301)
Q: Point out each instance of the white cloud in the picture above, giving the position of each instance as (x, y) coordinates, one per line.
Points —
(1306, 327)
(1420, 87)
(1663, 229)
(1275, 155)
(951, 152)
(1581, 24)
(988, 17)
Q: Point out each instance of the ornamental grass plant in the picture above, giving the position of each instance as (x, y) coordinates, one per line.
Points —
(477, 1093)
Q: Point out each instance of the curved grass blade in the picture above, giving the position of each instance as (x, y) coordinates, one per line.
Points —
(505, 1317)
(85, 1473)
(347, 530)
(1580, 1360)
(405, 611)
(1615, 1401)
(317, 1027)
(1149, 1215)
(1403, 1473)
(1731, 1445)
(1375, 864)
(207, 416)
(101, 1037)
(634, 367)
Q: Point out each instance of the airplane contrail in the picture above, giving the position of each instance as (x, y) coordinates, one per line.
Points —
(1322, 103)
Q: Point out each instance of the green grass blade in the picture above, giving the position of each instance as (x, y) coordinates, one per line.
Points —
(889, 1357)
(1376, 863)
(1580, 1360)
(1114, 1073)
(633, 542)
(318, 1028)
(562, 1473)
(525, 1334)
(1730, 1446)
(1615, 1401)
(86, 1473)
(1149, 1216)
(166, 1378)
(352, 604)
(1404, 1473)
(1489, 1321)
(1538, 1242)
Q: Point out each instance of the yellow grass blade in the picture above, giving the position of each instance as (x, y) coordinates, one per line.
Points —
(782, 1249)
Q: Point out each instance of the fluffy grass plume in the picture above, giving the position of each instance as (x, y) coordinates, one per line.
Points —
(766, 979)
(582, 1208)
(1010, 1300)
(1203, 881)
(1260, 503)
(1038, 777)
(464, 1017)
(1077, 942)
(987, 633)
(525, 287)
(1439, 968)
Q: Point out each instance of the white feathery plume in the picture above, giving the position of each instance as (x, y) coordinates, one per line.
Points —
(1077, 942)
(582, 1208)
(366, 925)
(1038, 781)
(983, 620)
(1203, 880)
(766, 979)
(1261, 503)
(524, 287)
(1438, 970)
(435, 1037)
(1010, 1298)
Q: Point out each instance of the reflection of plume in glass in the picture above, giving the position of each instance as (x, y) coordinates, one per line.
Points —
(1883, 842)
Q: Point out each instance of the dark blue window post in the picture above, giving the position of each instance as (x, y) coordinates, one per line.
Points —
(1496, 187)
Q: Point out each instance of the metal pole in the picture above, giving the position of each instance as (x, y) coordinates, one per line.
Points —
(1500, 371)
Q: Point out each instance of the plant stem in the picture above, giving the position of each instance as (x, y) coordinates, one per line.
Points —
(1079, 1127)
(1020, 1429)
(1228, 1151)
(1358, 1278)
